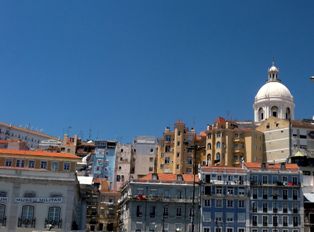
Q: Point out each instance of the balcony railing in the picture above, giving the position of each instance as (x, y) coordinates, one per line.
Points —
(53, 223)
(26, 222)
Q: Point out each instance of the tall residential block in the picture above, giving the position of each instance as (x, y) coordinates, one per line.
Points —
(179, 149)
(144, 150)
(228, 143)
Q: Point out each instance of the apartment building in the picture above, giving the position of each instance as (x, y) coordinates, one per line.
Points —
(160, 202)
(276, 200)
(123, 165)
(228, 143)
(31, 137)
(224, 199)
(176, 150)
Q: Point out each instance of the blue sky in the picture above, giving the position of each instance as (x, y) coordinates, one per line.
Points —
(126, 68)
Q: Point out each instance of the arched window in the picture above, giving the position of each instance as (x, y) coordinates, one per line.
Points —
(27, 212)
(2, 213)
(218, 144)
(209, 146)
(288, 113)
(217, 157)
(260, 114)
(274, 111)
(208, 158)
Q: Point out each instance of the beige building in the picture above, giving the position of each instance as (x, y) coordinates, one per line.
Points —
(175, 150)
(123, 165)
(38, 191)
(228, 143)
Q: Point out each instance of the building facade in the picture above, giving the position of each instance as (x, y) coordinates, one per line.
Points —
(144, 152)
(176, 150)
(228, 143)
(160, 202)
(104, 161)
(31, 137)
(123, 165)
(224, 199)
(276, 199)
(39, 191)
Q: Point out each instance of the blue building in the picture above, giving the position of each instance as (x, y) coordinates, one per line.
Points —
(104, 160)
(276, 200)
(224, 199)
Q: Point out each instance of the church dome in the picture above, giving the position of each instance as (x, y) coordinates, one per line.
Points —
(273, 99)
(274, 89)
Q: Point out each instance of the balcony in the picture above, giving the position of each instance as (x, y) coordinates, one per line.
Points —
(53, 223)
(26, 222)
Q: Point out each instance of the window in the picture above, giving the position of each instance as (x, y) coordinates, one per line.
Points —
(264, 207)
(139, 211)
(229, 229)
(206, 216)
(229, 217)
(218, 145)
(207, 190)
(285, 194)
(8, 163)
(66, 166)
(218, 217)
(295, 194)
(264, 179)
(31, 163)
(230, 203)
(295, 221)
(254, 207)
(152, 212)
(54, 166)
(275, 221)
(189, 161)
(254, 193)
(230, 191)
(2, 213)
(254, 220)
(167, 160)
(179, 212)
(285, 221)
(265, 220)
(241, 229)
(20, 163)
(209, 146)
(265, 193)
(27, 212)
(219, 190)
(241, 191)
(206, 229)
(241, 217)
(207, 203)
(218, 203)
(274, 111)
(54, 214)
(165, 213)
(241, 204)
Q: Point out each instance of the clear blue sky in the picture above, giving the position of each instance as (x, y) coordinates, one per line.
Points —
(127, 68)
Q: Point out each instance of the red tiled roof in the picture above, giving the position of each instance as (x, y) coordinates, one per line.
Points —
(38, 153)
(274, 167)
(167, 177)
(223, 169)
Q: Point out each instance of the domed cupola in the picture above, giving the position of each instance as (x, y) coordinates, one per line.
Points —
(273, 99)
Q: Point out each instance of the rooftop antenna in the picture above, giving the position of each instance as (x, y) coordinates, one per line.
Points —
(89, 133)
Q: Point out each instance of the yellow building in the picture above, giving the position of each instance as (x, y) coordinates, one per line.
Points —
(175, 150)
(228, 143)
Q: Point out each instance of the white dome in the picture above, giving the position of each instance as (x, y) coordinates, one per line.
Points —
(274, 89)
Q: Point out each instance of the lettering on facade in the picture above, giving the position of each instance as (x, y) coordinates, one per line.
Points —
(41, 200)
(3, 199)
